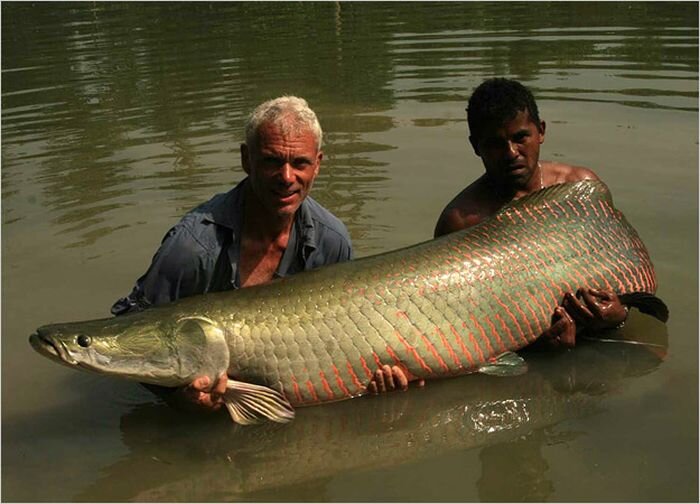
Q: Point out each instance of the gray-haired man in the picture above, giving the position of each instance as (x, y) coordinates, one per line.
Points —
(267, 226)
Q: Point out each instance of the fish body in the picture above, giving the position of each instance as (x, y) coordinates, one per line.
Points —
(454, 305)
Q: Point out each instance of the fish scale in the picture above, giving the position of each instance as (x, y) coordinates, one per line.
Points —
(454, 305)
(439, 308)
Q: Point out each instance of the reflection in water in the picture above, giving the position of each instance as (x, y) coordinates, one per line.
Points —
(510, 420)
(106, 105)
(118, 117)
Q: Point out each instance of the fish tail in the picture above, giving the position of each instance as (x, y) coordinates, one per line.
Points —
(646, 303)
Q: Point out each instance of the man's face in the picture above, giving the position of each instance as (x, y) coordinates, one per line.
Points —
(281, 166)
(510, 152)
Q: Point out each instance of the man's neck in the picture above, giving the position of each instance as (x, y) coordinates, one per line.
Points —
(264, 239)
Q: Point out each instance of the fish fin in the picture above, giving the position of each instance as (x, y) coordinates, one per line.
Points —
(250, 404)
(506, 364)
(646, 303)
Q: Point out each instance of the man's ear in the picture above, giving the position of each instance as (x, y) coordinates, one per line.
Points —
(475, 145)
(542, 128)
(319, 158)
(245, 159)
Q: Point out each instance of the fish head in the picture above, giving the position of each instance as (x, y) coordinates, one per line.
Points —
(149, 349)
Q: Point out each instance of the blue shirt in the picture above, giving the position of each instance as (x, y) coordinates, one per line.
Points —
(201, 253)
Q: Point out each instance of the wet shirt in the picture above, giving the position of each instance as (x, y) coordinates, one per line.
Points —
(201, 253)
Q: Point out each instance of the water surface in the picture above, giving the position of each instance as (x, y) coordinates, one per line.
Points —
(119, 117)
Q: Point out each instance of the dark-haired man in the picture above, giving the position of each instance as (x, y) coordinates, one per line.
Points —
(506, 132)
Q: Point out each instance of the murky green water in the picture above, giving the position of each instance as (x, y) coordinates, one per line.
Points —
(119, 117)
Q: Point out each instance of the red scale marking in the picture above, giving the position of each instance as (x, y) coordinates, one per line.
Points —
(636, 282)
(413, 353)
(533, 300)
(648, 275)
(355, 379)
(618, 239)
(365, 367)
(592, 257)
(505, 328)
(462, 346)
(537, 258)
(522, 335)
(297, 390)
(393, 355)
(434, 351)
(340, 382)
(573, 207)
(446, 344)
(605, 267)
(551, 213)
(495, 333)
(515, 320)
(563, 210)
(312, 390)
(489, 348)
(326, 386)
(583, 282)
(517, 212)
(531, 214)
(377, 360)
(474, 341)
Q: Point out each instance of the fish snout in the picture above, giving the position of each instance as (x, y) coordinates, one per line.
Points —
(44, 341)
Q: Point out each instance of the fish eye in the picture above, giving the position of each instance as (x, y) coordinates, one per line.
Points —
(84, 340)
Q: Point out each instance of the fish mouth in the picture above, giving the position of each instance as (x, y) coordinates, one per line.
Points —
(52, 349)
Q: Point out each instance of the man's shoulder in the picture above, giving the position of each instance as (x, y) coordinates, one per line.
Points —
(322, 217)
(570, 173)
(200, 223)
(466, 209)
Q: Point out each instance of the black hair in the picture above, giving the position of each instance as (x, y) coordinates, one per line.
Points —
(496, 101)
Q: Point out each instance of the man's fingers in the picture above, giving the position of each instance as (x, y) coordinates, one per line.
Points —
(567, 337)
(388, 377)
(562, 332)
(576, 308)
(220, 386)
(200, 383)
(399, 377)
(379, 381)
(372, 388)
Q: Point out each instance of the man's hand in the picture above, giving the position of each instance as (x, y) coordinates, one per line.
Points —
(595, 309)
(200, 396)
(562, 332)
(388, 378)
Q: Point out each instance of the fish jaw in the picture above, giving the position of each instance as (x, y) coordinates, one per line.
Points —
(54, 350)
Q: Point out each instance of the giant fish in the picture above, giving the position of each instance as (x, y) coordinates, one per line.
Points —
(458, 304)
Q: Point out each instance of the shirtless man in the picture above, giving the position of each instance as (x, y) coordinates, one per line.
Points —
(506, 132)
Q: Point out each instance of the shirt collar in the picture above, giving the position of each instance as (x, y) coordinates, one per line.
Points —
(228, 212)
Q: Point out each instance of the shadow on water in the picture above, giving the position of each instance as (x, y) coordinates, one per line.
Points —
(177, 458)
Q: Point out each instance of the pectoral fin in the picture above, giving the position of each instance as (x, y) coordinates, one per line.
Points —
(250, 404)
(506, 364)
